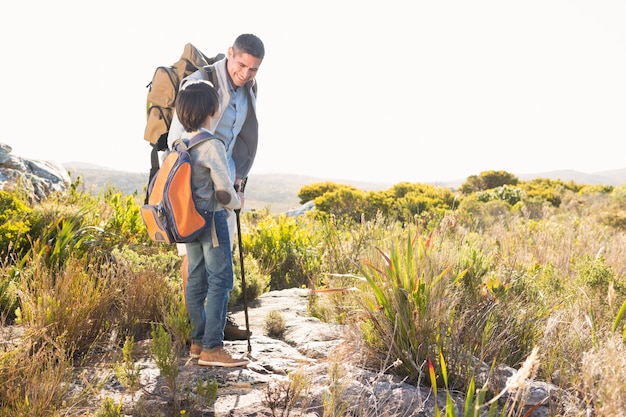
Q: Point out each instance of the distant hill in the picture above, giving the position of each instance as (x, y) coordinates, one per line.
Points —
(279, 192)
(613, 177)
(95, 178)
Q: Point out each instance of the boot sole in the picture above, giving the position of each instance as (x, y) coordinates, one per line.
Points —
(223, 364)
(235, 334)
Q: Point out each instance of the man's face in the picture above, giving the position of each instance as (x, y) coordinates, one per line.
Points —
(242, 67)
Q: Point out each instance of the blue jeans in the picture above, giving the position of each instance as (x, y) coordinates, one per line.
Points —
(211, 279)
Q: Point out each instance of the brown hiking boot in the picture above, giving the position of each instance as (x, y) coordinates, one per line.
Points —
(195, 350)
(232, 330)
(217, 356)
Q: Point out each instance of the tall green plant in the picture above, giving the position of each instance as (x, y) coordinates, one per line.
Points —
(126, 371)
(68, 236)
(411, 307)
(166, 359)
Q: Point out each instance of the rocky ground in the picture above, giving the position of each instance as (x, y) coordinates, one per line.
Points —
(309, 348)
(322, 356)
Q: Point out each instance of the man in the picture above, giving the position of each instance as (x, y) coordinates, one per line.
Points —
(236, 124)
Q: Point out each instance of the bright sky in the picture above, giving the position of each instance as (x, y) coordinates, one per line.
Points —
(384, 91)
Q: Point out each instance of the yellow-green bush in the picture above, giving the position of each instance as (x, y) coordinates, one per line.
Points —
(285, 250)
(15, 225)
(343, 202)
(312, 191)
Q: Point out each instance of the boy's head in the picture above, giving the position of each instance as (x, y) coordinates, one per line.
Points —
(195, 103)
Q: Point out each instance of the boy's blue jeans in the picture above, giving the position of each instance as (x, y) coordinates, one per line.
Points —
(211, 279)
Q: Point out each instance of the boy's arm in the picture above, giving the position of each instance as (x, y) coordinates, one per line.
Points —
(225, 192)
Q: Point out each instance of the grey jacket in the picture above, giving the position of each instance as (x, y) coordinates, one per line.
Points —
(243, 152)
(210, 176)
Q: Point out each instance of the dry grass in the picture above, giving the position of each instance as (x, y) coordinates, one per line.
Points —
(34, 377)
(71, 316)
(603, 376)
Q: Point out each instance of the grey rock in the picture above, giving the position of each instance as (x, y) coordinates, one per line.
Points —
(5, 151)
(308, 206)
(36, 178)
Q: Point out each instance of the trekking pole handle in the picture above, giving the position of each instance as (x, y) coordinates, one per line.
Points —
(240, 188)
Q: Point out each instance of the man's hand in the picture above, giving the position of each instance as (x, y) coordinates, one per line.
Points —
(240, 184)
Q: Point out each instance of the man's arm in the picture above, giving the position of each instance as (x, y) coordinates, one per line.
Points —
(175, 132)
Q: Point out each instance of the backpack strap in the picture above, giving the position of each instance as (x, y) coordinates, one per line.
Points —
(154, 167)
(199, 138)
(209, 74)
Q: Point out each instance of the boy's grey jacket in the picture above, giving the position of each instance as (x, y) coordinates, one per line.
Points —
(244, 151)
(210, 175)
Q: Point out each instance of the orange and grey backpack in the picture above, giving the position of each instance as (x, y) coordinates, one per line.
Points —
(170, 213)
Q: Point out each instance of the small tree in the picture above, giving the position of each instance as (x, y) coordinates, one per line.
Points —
(487, 180)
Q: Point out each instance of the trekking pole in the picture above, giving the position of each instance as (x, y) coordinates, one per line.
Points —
(243, 274)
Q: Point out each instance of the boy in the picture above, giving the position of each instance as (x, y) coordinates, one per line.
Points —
(210, 258)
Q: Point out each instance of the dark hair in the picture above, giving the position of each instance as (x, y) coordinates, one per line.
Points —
(195, 102)
(250, 44)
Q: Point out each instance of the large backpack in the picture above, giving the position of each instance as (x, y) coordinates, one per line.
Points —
(162, 91)
(170, 213)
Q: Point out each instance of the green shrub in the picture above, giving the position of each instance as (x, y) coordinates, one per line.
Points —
(410, 306)
(126, 371)
(275, 324)
(166, 359)
(344, 202)
(312, 191)
(288, 251)
(125, 225)
(487, 180)
(505, 193)
(421, 201)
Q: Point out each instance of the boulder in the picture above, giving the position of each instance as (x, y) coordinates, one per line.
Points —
(38, 179)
